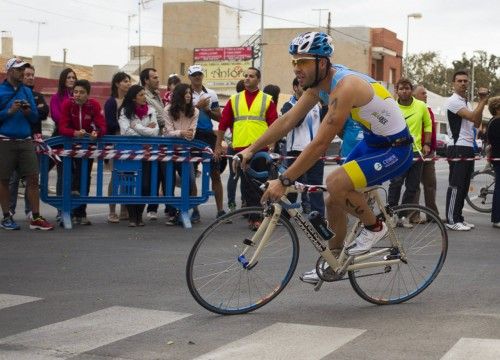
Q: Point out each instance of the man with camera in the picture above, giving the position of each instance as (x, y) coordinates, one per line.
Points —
(461, 122)
(18, 112)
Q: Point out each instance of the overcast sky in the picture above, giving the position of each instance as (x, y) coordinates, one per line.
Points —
(95, 31)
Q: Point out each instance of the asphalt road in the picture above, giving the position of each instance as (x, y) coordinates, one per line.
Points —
(108, 291)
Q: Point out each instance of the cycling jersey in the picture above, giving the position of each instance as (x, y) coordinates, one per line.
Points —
(385, 151)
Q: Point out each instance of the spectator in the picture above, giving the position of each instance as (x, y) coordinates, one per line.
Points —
(151, 83)
(428, 178)
(81, 116)
(493, 134)
(18, 111)
(207, 102)
(65, 86)
(461, 123)
(172, 82)
(240, 86)
(119, 87)
(137, 118)
(274, 91)
(232, 180)
(296, 141)
(181, 118)
(418, 120)
(36, 129)
(351, 135)
(253, 103)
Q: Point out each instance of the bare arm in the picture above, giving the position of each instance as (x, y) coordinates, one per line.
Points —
(476, 115)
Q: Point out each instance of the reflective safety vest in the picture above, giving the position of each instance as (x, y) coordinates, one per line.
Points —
(249, 124)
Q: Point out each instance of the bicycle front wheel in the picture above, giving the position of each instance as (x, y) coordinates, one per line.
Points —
(480, 194)
(216, 275)
(424, 242)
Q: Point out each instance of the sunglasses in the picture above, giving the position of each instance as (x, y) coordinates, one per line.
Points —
(301, 61)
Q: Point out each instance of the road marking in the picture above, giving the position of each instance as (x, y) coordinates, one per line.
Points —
(474, 349)
(286, 341)
(8, 300)
(81, 334)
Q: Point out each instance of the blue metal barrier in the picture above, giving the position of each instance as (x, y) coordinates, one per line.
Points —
(127, 175)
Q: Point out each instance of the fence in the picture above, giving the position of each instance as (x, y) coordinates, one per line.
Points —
(128, 154)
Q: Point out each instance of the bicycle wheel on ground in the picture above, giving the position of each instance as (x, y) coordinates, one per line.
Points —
(425, 244)
(480, 194)
(220, 282)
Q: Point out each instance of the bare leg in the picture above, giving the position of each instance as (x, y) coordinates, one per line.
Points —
(343, 196)
(337, 219)
(33, 192)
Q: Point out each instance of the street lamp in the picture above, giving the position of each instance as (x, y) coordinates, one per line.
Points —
(415, 16)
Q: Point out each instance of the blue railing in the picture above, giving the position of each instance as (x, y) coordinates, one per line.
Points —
(126, 172)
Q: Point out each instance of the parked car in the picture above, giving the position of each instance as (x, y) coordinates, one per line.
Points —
(442, 144)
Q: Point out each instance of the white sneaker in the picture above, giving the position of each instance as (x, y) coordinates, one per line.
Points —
(472, 226)
(310, 277)
(496, 225)
(458, 227)
(152, 215)
(365, 240)
(404, 222)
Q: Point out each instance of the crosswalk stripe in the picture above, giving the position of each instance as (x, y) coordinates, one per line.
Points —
(8, 300)
(286, 341)
(474, 349)
(84, 333)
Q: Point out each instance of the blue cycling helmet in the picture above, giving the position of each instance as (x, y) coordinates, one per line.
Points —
(313, 43)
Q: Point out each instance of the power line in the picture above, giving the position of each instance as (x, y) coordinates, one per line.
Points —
(283, 19)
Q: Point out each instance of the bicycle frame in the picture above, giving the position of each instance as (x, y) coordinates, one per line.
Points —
(343, 263)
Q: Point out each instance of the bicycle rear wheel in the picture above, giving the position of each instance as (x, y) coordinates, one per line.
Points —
(425, 245)
(480, 194)
(219, 281)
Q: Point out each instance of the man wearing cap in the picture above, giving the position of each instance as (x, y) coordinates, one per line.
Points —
(18, 112)
(207, 102)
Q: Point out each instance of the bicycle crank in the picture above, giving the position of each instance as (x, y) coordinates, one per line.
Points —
(327, 274)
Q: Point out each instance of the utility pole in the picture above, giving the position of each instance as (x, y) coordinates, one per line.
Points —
(128, 32)
(329, 27)
(38, 23)
(262, 43)
(65, 51)
(141, 4)
(319, 15)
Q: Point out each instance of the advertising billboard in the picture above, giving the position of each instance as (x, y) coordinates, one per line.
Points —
(223, 67)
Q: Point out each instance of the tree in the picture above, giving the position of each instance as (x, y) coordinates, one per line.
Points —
(486, 70)
(427, 69)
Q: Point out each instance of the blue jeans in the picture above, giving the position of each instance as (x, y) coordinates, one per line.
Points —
(232, 183)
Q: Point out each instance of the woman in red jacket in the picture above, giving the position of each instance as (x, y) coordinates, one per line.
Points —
(81, 116)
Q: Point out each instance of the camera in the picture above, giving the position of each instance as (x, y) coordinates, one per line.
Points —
(25, 104)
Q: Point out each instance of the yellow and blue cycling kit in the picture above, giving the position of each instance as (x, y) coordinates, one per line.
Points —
(385, 151)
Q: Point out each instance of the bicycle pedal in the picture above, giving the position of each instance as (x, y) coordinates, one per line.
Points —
(317, 287)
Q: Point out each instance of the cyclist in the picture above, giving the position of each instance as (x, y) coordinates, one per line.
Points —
(384, 153)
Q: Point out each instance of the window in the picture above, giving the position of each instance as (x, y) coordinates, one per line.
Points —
(182, 69)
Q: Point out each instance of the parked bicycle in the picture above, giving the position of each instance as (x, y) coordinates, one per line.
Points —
(233, 270)
(481, 188)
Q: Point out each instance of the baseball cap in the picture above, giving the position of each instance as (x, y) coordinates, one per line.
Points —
(193, 69)
(15, 63)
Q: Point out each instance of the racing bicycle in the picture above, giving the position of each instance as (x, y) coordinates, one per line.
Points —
(234, 270)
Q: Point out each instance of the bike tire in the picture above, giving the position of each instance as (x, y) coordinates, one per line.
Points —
(480, 194)
(217, 279)
(425, 245)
